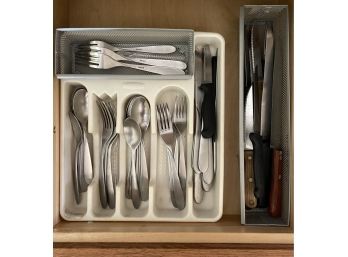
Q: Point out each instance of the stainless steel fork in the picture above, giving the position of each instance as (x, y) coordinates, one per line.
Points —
(165, 127)
(103, 61)
(158, 49)
(179, 121)
(149, 61)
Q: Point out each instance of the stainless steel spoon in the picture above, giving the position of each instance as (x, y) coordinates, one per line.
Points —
(81, 112)
(140, 111)
(132, 135)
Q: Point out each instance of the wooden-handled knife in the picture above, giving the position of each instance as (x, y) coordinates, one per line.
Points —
(274, 208)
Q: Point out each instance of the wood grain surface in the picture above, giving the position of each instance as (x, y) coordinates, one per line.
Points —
(226, 230)
(184, 250)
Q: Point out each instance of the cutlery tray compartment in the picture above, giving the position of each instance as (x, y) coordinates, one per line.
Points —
(159, 206)
(68, 40)
(280, 122)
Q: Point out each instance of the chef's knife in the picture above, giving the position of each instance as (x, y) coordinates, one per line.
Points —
(261, 177)
(274, 208)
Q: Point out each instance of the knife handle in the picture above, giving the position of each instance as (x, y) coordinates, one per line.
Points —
(208, 110)
(250, 199)
(274, 208)
(262, 161)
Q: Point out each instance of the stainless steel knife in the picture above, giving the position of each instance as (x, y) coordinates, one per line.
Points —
(198, 191)
(262, 89)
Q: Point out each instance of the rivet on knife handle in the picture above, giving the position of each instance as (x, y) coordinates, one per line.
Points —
(250, 199)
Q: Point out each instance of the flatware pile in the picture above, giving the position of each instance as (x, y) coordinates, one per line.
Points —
(171, 127)
(101, 55)
(108, 173)
(82, 168)
(138, 115)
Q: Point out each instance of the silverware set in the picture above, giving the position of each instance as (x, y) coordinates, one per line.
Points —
(108, 173)
(101, 55)
(171, 127)
(138, 115)
(82, 168)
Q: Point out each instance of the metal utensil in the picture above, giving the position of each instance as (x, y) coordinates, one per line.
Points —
(149, 61)
(132, 135)
(106, 135)
(165, 127)
(159, 49)
(80, 110)
(77, 130)
(104, 61)
(109, 173)
(179, 121)
(198, 191)
(139, 110)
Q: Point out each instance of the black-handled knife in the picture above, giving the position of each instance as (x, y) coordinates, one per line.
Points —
(209, 91)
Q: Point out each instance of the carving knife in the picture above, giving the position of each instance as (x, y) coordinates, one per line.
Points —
(274, 207)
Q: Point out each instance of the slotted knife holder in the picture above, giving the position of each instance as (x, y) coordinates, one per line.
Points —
(277, 15)
(157, 89)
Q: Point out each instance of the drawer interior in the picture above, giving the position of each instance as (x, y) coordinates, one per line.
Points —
(221, 16)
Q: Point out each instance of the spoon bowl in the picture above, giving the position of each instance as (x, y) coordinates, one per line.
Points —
(139, 110)
(132, 133)
(79, 106)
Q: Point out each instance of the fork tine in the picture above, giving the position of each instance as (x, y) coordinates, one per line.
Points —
(102, 112)
(163, 118)
(169, 118)
(175, 113)
(106, 114)
(183, 107)
(159, 122)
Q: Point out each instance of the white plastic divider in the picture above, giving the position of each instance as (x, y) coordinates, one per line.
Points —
(159, 206)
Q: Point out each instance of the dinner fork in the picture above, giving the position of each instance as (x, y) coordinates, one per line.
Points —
(104, 61)
(95, 52)
(158, 49)
(179, 121)
(165, 127)
(106, 134)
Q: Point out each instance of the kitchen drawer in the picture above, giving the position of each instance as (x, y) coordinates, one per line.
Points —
(220, 16)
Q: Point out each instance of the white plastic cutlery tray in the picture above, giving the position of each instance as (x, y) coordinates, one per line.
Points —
(156, 89)
(280, 124)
